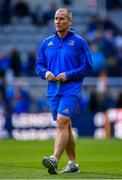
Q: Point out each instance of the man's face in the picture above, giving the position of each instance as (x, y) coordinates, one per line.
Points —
(62, 21)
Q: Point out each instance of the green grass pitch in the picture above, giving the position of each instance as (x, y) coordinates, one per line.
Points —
(98, 159)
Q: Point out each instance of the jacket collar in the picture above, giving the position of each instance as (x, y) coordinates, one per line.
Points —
(69, 34)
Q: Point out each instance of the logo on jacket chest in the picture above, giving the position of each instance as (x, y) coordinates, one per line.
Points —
(71, 43)
(50, 43)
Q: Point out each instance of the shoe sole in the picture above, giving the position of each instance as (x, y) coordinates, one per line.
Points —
(48, 164)
(70, 172)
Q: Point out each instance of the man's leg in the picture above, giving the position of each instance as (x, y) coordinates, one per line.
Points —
(62, 135)
(72, 166)
(70, 147)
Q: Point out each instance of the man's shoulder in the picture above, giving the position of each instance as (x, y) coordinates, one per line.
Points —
(49, 38)
(79, 37)
(46, 40)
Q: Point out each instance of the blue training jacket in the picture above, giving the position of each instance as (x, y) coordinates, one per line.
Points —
(70, 55)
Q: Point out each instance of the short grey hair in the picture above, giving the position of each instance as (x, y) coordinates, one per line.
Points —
(69, 12)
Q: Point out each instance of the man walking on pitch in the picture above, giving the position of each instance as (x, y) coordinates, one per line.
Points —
(63, 60)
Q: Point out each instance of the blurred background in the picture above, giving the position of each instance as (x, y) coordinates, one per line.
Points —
(24, 110)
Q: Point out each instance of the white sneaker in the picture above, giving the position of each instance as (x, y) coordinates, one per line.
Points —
(71, 168)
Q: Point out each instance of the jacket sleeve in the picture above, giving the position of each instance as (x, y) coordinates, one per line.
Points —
(40, 62)
(86, 67)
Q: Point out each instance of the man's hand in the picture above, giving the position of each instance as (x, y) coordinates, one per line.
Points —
(50, 76)
(61, 77)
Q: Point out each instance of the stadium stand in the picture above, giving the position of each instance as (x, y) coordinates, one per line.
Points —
(22, 29)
